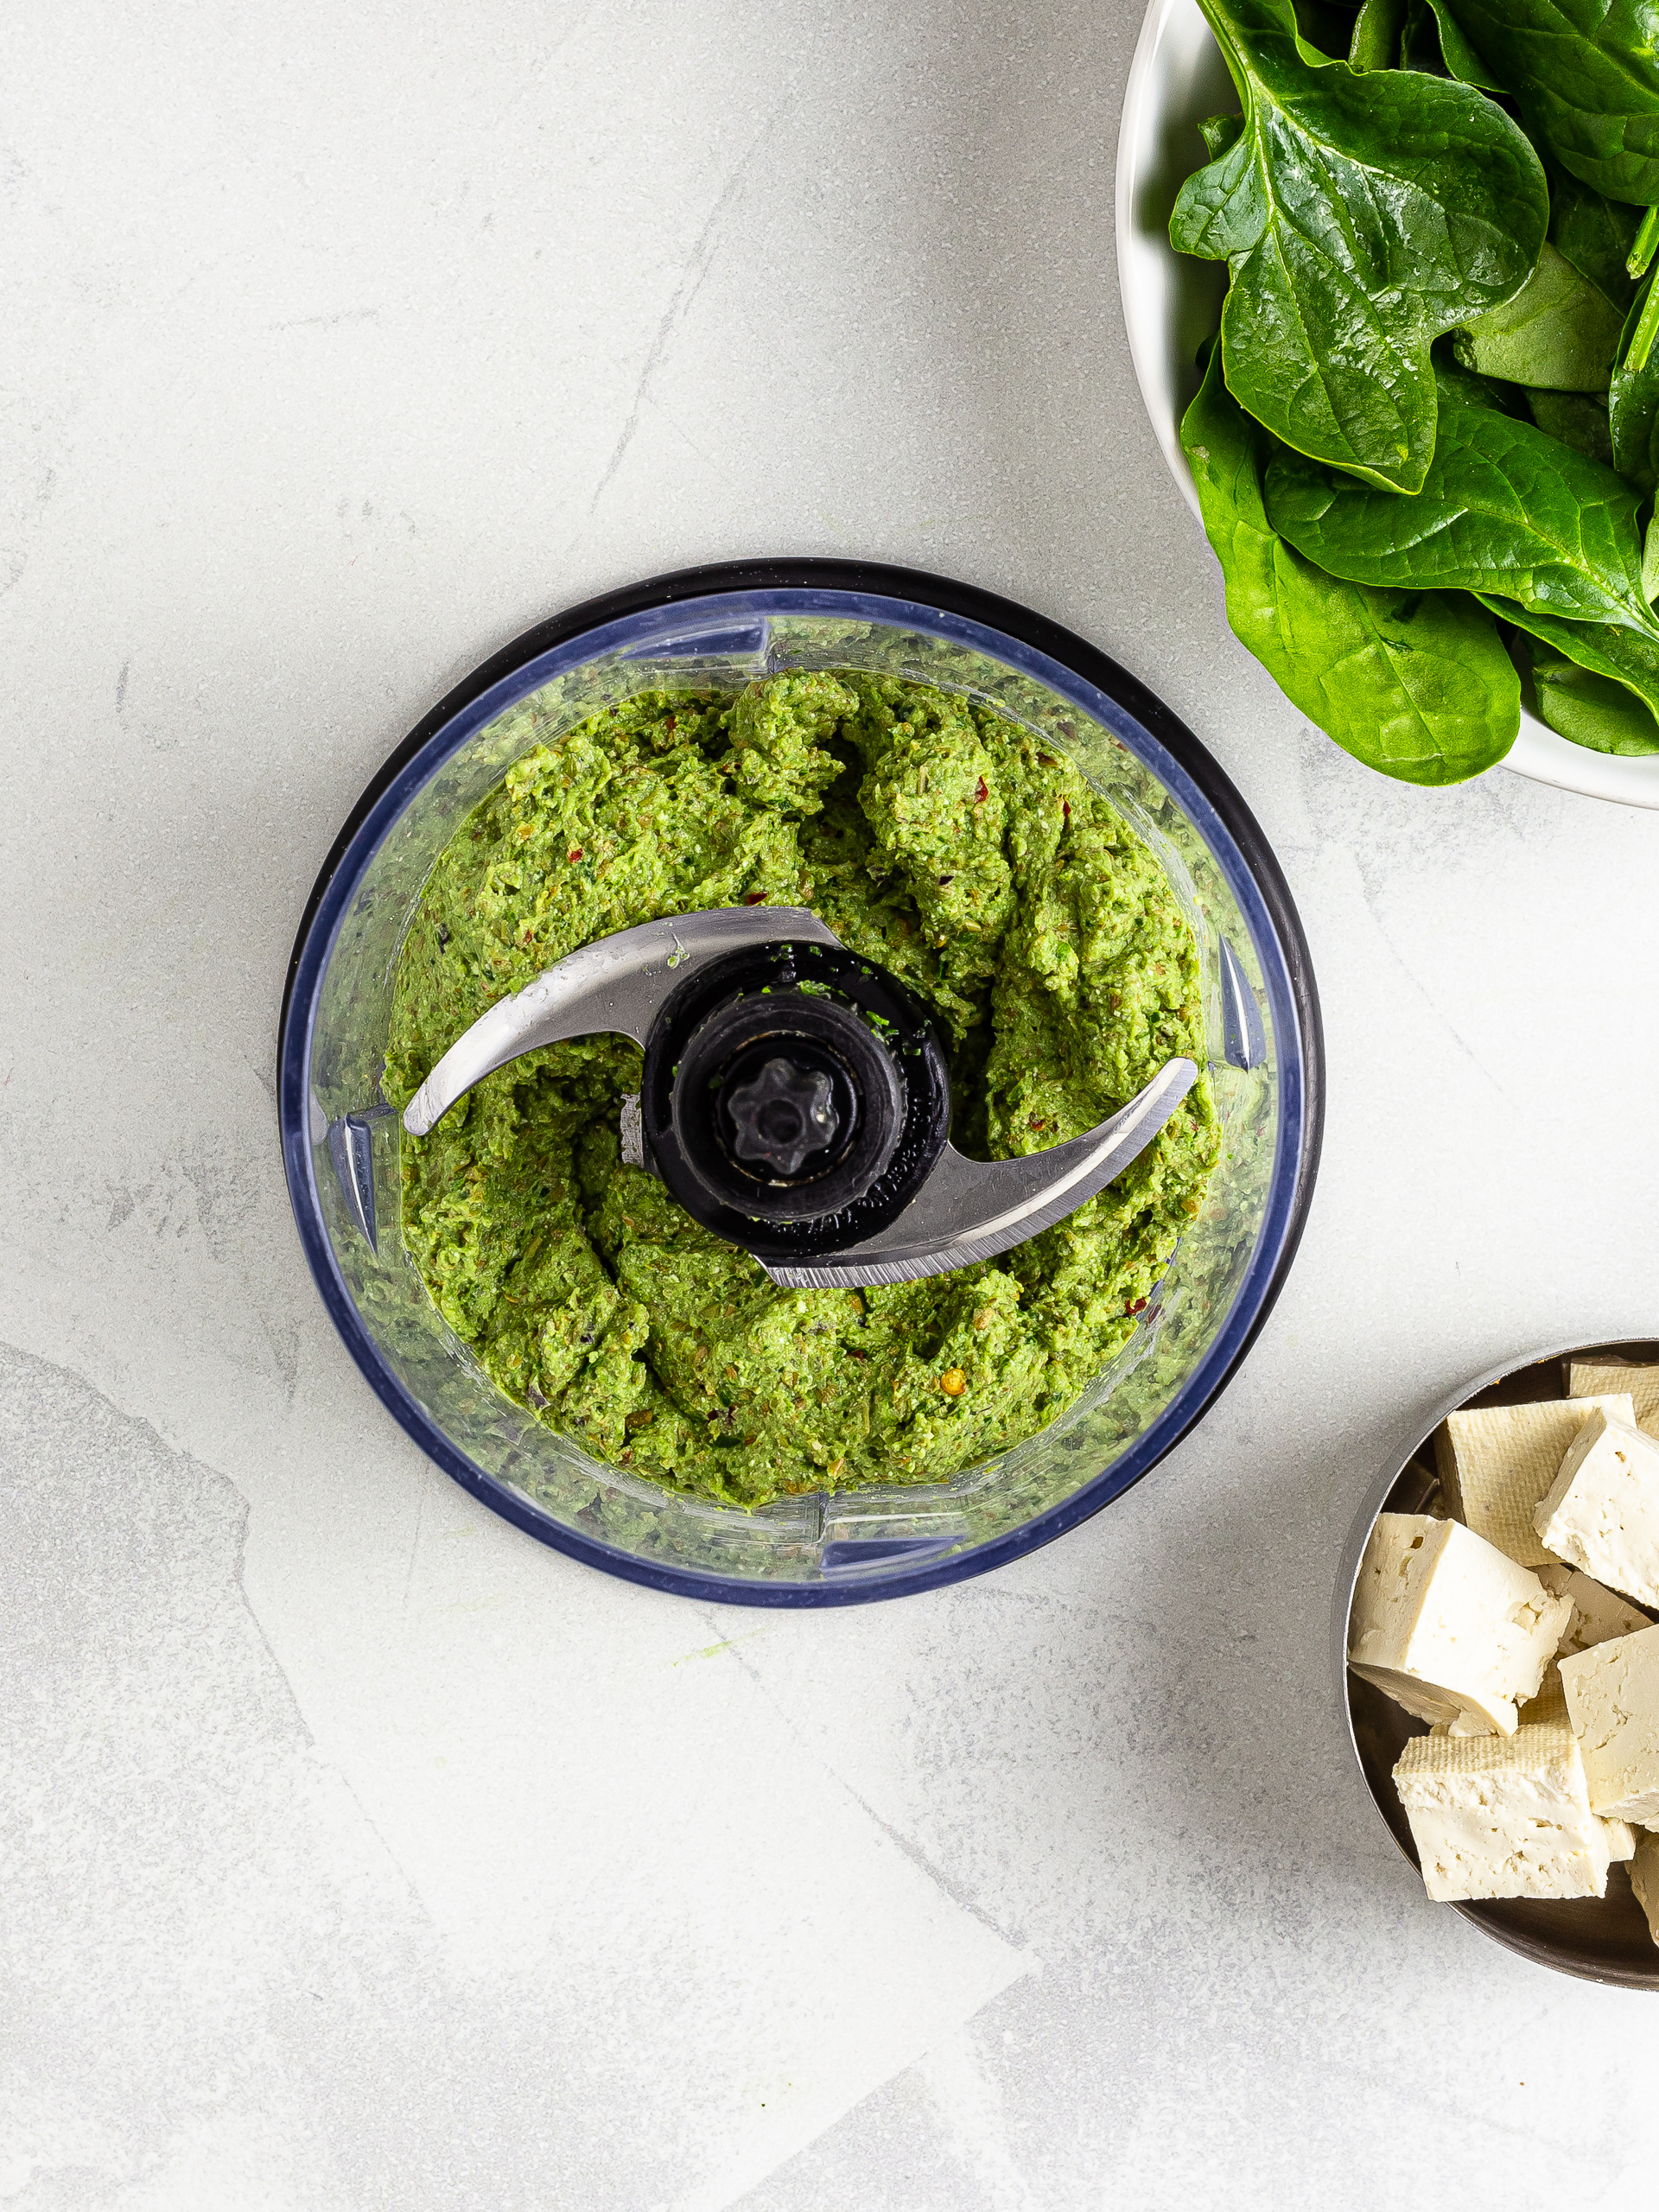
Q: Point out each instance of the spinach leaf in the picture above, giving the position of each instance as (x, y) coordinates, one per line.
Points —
(1594, 234)
(1218, 132)
(1588, 709)
(1633, 420)
(1360, 217)
(1585, 76)
(1376, 42)
(1461, 387)
(1503, 508)
(1419, 40)
(1623, 657)
(1579, 419)
(1639, 259)
(1326, 27)
(1414, 684)
(1633, 408)
(1432, 42)
(1559, 333)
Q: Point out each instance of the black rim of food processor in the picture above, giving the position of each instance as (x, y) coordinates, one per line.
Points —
(994, 614)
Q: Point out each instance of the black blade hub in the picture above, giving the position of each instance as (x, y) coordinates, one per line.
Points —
(794, 1098)
(779, 1117)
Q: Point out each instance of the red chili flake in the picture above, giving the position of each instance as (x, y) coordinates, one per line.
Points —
(943, 880)
(1136, 1308)
(574, 854)
(1065, 808)
(1047, 759)
(1036, 1122)
(755, 898)
(982, 793)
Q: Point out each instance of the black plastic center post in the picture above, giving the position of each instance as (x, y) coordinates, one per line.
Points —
(794, 1098)
(781, 1117)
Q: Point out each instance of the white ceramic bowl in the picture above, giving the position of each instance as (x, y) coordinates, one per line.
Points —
(1172, 303)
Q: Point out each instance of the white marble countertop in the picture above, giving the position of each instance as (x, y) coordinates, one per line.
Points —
(357, 1851)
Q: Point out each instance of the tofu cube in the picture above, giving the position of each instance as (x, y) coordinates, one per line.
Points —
(1641, 1382)
(1645, 1878)
(1446, 1624)
(1496, 1462)
(1601, 1513)
(1612, 1700)
(1621, 1839)
(1502, 1816)
(1550, 1704)
(1599, 1613)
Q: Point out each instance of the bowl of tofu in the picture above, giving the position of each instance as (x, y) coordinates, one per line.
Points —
(1498, 1632)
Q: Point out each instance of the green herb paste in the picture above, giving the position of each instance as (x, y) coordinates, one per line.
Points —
(932, 836)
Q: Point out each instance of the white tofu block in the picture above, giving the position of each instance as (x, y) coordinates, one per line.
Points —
(1642, 1385)
(1621, 1839)
(1502, 1816)
(1612, 1698)
(1448, 1626)
(1599, 1614)
(1550, 1704)
(1644, 1879)
(1496, 1462)
(1601, 1513)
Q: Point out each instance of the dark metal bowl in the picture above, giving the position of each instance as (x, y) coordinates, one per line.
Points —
(1600, 1939)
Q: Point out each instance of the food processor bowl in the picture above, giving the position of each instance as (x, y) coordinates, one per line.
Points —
(723, 627)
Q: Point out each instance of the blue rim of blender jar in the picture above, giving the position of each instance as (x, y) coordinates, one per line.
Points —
(652, 613)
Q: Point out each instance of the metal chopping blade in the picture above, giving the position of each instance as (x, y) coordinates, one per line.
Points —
(970, 1210)
(964, 1209)
(618, 984)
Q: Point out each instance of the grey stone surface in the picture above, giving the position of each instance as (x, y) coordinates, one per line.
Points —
(357, 1851)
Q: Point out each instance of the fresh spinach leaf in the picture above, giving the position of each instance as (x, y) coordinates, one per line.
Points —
(1460, 387)
(1623, 657)
(1585, 74)
(1645, 245)
(1590, 709)
(1419, 40)
(1218, 132)
(1559, 333)
(1376, 41)
(1633, 408)
(1642, 330)
(1594, 234)
(1579, 419)
(1414, 684)
(1460, 58)
(1503, 508)
(1432, 41)
(1360, 217)
(1326, 26)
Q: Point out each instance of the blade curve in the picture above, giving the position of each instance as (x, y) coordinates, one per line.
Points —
(970, 1210)
(619, 982)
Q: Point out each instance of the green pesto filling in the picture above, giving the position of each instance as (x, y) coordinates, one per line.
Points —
(932, 836)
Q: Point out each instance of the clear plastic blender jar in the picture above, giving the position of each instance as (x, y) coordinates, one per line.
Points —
(721, 628)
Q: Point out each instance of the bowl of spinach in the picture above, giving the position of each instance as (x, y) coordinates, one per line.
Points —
(1391, 280)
